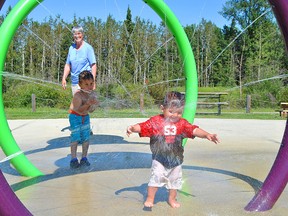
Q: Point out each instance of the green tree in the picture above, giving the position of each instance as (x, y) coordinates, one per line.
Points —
(129, 53)
(256, 55)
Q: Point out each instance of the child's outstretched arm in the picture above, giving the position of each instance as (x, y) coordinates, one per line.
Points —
(133, 129)
(198, 132)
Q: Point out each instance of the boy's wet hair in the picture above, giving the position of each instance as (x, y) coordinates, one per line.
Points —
(85, 75)
(174, 99)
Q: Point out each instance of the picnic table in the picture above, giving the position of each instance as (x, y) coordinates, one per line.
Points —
(209, 99)
(284, 109)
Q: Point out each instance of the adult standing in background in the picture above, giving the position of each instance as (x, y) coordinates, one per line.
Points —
(80, 57)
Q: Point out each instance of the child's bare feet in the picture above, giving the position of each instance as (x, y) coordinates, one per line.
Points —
(172, 199)
(148, 203)
(150, 197)
(173, 203)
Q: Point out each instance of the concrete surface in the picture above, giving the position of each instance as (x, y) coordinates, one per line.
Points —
(218, 179)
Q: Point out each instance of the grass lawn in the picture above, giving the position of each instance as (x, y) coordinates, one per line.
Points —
(53, 113)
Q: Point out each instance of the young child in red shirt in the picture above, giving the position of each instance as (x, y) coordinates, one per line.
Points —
(166, 132)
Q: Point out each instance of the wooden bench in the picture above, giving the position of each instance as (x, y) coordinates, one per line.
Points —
(284, 109)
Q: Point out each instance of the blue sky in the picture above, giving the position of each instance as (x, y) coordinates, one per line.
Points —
(187, 11)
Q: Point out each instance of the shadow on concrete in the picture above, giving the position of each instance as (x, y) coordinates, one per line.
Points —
(107, 161)
(161, 195)
(64, 142)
